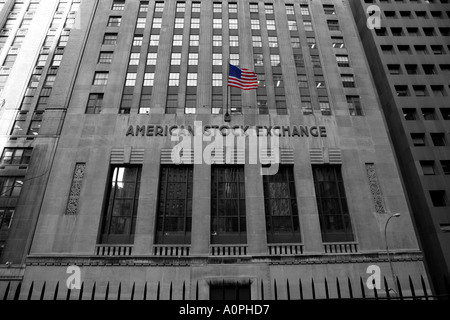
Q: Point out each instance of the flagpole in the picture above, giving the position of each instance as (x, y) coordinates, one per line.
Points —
(227, 117)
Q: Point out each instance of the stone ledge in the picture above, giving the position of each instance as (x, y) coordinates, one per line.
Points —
(187, 261)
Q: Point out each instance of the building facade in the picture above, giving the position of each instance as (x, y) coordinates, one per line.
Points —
(137, 79)
(409, 58)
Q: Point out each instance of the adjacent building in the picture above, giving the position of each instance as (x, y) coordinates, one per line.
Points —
(101, 189)
(409, 57)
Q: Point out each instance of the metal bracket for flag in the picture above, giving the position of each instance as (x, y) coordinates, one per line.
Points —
(227, 117)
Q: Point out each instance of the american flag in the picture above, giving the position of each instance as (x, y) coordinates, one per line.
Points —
(242, 78)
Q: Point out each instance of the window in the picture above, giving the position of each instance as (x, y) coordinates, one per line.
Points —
(151, 58)
(217, 7)
(437, 49)
(175, 205)
(397, 32)
(304, 10)
(229, 291)
(35, 123)
(445, 113)
(403, 49)
(228, 217)
(438, 90)
(418, 139)
(217, 23)
(157, 22)
(354, 105)
(19, 123)
(278, 80)
(438, 198)
(280, 201)
(233, 24)
(130, 80)
(119, 217)
(342, 60)
(149, 77)
(179, 23)
(118, 5)
(194, 40)
(196, 6)
(159, 6)
(217, 79)
(134, 59)
(292, 25)
(94, 104)
(143, 6)
(445, 166)
(217, 59)
(256, 41)
(254, 7)
(333, 25)
(100, 78)
(268, 9)
(154, 40)
(273, 42)
(234, 41)
(421, 49)
(110, 39)
(438, 139)
(140, 23)
(270, 24)
(234, 59)
(191, 79)
(10, 186)
(114, 21)
(126, 103)
(302, 81)
(175, 59)
(311, 42)
(348, 81)
(174, 79)
(420, 91)
(195, 23)
(275, 60)
(295, 42)
(401, 91)
(217, 40)
(409, 114)
(254, 24)
(193, 59)
(394, 69)
(181, 6)
(105, 57)
(289, 9)
(6, 216)
(428, 114)
(411, 68)
(332, 204)
(338, 42)
(329, 9)
(137, 41)
(16, 156)
(427, 167)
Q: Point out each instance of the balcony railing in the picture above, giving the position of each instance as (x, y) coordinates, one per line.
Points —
(340, 247)
(285, 249)
(113, 250)
(171, 250)
(228, 250)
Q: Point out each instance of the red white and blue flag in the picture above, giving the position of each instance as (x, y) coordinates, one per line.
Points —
(242, 78)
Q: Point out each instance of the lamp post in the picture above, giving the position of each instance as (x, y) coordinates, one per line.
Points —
(395, 215)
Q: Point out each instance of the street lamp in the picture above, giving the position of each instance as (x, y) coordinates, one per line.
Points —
(395, 215)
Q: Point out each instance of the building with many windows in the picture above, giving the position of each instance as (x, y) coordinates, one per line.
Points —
(409, 59)
(89, 133)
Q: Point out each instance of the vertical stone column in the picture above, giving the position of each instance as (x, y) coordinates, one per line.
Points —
(201, 217)
(254, 201)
